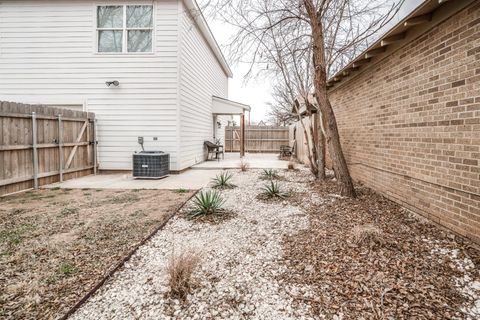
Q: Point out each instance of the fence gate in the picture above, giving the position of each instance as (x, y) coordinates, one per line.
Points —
(41, 145)
(257, 138)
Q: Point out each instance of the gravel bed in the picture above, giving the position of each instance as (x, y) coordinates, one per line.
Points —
(239, 273)
(294, 259)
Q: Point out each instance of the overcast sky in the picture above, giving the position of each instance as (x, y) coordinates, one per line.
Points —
(257, 92)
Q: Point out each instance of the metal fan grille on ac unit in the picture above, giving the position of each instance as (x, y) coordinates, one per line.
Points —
(151, 164)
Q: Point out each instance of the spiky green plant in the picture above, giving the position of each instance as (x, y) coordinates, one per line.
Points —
(222, 181)
(269, 174)
(273, 190)
(206, 203)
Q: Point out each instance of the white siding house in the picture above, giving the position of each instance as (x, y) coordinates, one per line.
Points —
(60, 52)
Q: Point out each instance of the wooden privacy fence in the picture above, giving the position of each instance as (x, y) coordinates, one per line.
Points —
(257, 138)
(41, 145)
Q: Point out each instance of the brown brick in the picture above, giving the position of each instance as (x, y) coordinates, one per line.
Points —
(458, 83)
(416, 135)
(470, 162)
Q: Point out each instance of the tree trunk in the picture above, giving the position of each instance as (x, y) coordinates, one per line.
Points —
(320, 83)
(320, 146)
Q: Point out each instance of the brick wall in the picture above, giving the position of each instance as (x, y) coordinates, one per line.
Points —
(410, 124)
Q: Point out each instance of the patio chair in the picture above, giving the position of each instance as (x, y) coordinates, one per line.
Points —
(214, 149)
(288, 150)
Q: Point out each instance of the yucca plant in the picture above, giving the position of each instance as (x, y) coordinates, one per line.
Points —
(273, 190)
(222, 181)
(269, 174)
(206, 203)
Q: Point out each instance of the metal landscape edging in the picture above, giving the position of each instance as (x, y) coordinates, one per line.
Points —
(127, 257)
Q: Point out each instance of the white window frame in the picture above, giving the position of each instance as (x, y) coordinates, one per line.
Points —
(124, 28)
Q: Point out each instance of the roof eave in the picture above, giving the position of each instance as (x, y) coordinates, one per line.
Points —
(396, 35)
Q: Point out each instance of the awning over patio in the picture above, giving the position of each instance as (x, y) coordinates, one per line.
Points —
(223, 106)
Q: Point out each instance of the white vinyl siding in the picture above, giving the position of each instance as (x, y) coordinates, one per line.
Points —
(201, 77)
(48, 55)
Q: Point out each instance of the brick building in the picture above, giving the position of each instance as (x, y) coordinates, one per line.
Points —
(408, 111)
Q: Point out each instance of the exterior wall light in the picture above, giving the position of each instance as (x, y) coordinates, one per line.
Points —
(115, 83)
(219, 125)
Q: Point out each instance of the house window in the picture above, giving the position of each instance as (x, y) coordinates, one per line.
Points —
(124, 29)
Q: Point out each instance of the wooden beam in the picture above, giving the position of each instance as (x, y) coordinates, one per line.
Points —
(242, 135)
(360, 63)
(418, 20)
(393, 39)
(374, 52)
(41, 146)
(41, 117)
(74, 150)
(7, 182)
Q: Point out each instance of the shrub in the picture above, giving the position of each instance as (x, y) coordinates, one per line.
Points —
(273, 190)
(206, 203)
(181, 190)
(366, 235)
(180, 273)
(222, 181)
(291, 165)
(269, 174)
(244, 165)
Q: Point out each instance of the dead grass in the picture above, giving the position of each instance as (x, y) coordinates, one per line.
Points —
(56, 244)
(244, 165)
(367, 235)
(291, 165)
(180, 271)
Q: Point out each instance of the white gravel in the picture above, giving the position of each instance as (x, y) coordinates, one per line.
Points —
(238, 272)
(237, 277)
(466, 284)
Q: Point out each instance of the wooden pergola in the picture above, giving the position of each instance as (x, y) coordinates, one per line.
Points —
(222, 106)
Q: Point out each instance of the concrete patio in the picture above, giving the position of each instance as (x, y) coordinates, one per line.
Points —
(198, 177)
(255, 161)
(190, 179)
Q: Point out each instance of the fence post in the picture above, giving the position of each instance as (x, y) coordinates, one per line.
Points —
(95, 146)
(60, 145)
(35, 151)
(242, 135)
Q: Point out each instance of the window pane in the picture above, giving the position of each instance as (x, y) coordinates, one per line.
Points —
(110, 17)
(139, 41)
(139, 16)
(109, 41)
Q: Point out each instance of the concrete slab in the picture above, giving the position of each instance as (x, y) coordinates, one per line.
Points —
(190, 179)
(198, 177)
(255, 160)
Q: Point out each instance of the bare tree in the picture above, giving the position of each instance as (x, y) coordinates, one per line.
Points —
(280, 110)
(298, 43)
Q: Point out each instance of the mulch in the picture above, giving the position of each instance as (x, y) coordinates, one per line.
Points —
(397, 278)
